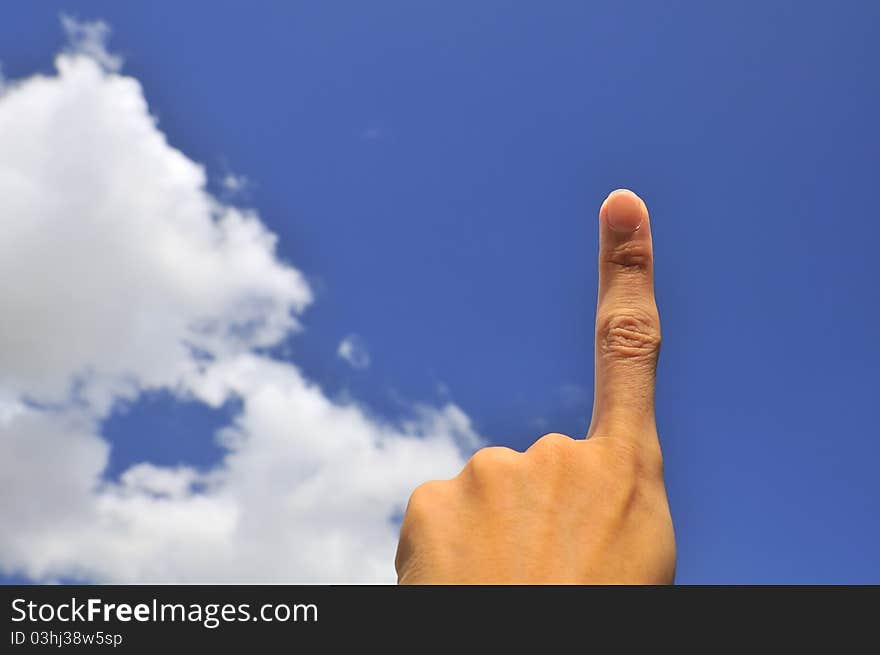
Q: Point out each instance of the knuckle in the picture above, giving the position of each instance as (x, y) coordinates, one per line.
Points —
(629, 334)
(552, 444)
(632, 255)
(491, 460)
(423, 498)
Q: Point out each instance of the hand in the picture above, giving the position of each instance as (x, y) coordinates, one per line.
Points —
(567, 510)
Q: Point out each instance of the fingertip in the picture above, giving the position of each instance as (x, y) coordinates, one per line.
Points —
(623, 211)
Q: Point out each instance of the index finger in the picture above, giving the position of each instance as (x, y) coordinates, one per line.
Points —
(627, 320)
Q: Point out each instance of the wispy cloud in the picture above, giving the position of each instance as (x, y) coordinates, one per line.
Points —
(353, 350)
(90, 39)
(234, 183)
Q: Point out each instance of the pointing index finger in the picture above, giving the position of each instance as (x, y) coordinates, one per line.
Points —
(627, 321)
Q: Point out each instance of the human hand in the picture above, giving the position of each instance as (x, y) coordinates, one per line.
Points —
(567, 510)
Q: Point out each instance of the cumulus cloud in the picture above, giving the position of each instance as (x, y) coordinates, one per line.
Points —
(122, 275)
(353, 350)
(121, 265)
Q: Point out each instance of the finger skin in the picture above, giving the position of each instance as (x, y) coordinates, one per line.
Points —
(627, 321)
(566, 511)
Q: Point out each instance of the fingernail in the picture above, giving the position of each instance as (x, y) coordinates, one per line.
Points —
(624, 211)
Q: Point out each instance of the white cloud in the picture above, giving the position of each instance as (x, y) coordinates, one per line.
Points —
(111, 240)
(235, 183)
(353, 350)
(90, 39)
(122, 274)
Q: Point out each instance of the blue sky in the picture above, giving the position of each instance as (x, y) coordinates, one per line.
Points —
(435, 170)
